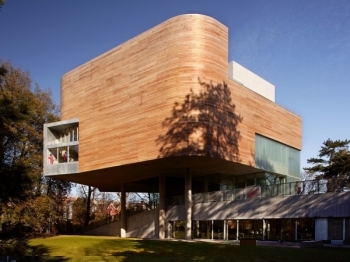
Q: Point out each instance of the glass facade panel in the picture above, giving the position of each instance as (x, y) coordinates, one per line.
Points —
(287, 229)
(250, 180)
(59, 155)
(177, 229)
(212, 229)
(260, 179)
(52, 156)
(250, 229)
(276, 157)
(226, 185)
(62, 154)
(290, 229)
(240, 182)
(73, 153)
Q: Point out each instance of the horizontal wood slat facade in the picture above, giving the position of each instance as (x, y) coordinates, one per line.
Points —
(132, 101)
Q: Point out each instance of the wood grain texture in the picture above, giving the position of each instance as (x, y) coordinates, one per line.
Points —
(126, 98)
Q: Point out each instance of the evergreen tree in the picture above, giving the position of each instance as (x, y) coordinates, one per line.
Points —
(333, 160)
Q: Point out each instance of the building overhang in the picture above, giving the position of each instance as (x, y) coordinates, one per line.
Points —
(134, 175)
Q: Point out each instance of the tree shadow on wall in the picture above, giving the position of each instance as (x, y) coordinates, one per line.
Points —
(205, 124)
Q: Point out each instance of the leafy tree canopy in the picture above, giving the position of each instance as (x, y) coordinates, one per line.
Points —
(23, 111)
(333, 160)
(26, 196)
(2, 2)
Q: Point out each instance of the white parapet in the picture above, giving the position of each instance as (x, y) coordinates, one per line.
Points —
(250, 80)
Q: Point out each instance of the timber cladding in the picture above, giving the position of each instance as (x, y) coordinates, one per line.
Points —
(166, 93)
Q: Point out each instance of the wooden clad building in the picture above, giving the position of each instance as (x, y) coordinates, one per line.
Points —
(164, 105)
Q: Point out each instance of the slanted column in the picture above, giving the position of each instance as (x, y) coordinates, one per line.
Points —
(188, 203)
(122, 211)
(162, 222)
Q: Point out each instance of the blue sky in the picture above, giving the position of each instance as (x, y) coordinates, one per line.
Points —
(300, 46)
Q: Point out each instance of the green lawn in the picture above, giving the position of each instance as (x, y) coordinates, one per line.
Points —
(88, 248)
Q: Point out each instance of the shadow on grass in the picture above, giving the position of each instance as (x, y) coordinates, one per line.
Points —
(18, 249)
(126, 250)
(150, 250)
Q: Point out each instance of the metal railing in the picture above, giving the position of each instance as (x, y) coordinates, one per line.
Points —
(317, 186)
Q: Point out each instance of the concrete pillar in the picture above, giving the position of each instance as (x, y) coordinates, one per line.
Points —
(162, 228)
(237, 233)
(264, 230)
(344, 228)
(170, 230)
(122, 211)
(197, 229)
(188, 203)
(225, 229)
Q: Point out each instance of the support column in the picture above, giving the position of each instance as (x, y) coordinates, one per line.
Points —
(344, 232)
(264, 230)
(197, 229)
(225, 223)
(162, 228)
(188, 203)
(237, 233)
(122, 211)
(296, 229)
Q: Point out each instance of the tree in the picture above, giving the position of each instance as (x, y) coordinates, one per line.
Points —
(2, 2)
(88, 205)
(36, 214)
(79, 211)
(91, 206)
(23, 112)
(333, 160)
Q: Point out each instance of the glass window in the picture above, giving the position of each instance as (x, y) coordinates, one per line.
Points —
(52, 156)
(260, 179)
(226, 185)
(62, 154)
(276, 157)
(240, 182)
(250, 180)
(73, 154)
(65, 154)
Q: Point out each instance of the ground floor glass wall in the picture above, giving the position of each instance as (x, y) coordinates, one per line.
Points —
(232, 229)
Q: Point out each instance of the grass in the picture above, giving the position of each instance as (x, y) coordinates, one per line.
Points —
(89, 248)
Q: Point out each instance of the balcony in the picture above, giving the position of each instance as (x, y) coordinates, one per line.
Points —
(61, 147)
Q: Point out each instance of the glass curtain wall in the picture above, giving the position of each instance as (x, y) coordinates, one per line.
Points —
(288, 229)
(276, 157)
